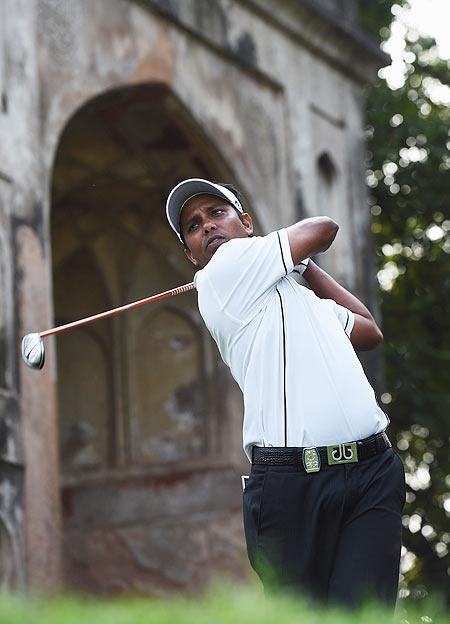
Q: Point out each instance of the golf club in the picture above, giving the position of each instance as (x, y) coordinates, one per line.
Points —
(33, 352)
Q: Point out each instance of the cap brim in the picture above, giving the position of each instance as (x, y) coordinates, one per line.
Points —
(181, 193)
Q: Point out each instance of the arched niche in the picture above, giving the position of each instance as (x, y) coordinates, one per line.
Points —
(118, 157)
(326, 184)
(87, 422)
(331, 200)
(326, 168)
(169, 387)
(84, 360)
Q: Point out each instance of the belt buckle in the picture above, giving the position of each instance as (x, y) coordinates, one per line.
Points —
(342, 453)
(311, 459)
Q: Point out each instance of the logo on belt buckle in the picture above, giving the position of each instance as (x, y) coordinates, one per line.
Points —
(342, 453)
(311, 459)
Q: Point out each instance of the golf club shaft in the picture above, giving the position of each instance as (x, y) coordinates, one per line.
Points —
(124, 308)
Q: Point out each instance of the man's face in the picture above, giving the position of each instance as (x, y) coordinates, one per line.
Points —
(207, 222)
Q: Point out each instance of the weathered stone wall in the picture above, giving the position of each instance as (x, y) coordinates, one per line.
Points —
(155, 535)
(12, 569)
(276, 90)
(29, 400)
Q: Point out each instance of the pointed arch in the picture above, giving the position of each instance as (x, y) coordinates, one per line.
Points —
(118, 157)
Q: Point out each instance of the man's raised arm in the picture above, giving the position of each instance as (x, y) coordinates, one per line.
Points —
(310, 237)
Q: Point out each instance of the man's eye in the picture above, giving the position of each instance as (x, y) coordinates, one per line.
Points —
(192, 227)
(217, 211)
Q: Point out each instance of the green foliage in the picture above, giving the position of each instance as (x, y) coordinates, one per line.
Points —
(227, 605)
(409, 175)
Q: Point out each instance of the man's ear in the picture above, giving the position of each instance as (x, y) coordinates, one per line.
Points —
(190, 257)
(248, 223)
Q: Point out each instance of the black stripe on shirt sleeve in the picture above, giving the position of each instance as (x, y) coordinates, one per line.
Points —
(348, 318)
(281, 251)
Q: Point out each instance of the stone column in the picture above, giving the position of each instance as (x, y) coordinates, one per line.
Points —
(29, 484)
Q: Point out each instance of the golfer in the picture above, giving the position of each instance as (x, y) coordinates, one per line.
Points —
(322, 506)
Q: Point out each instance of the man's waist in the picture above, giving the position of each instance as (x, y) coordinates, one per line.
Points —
(313, 457)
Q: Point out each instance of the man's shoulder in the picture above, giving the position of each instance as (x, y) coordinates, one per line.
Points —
(235, 244)
(243, 274)
(231, 253)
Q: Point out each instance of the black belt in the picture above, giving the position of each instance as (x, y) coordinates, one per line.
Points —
(311, 458)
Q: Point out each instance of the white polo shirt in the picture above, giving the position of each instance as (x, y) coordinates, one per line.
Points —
(288, 350)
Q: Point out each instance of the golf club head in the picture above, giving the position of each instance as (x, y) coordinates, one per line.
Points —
(33, 352)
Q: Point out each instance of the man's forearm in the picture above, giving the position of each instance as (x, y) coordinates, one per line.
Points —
(326, 287)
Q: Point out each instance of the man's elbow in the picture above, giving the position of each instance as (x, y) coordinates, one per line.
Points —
(329, 230)
(377, 337)
(311, 236)
(371, 340)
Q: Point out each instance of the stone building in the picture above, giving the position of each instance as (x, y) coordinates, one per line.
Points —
(120, 460)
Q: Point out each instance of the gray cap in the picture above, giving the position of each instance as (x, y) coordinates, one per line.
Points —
(187, 189)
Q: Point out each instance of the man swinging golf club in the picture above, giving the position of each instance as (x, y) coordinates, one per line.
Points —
(322, 506)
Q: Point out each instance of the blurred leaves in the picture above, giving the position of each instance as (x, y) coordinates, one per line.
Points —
(408, 175)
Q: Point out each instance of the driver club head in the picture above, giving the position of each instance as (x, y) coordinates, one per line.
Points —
(33, 352)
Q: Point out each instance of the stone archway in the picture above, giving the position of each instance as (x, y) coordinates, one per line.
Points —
(143, 432)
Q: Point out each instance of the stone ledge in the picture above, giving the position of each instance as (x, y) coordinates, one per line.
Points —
(234, 56)
(130, 502)
(312, 31)
(347, 29)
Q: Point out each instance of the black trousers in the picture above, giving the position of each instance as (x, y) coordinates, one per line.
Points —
(334, 535)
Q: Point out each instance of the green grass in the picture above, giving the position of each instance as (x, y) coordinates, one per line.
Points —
(220, 605)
